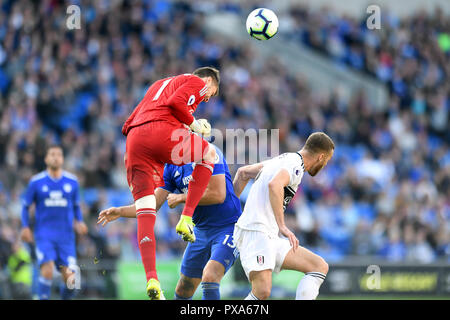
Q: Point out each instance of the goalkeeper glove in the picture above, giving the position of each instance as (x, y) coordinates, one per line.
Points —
(201, 126)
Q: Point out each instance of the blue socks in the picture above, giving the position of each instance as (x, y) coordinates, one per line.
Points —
(44, 290)
(44, 287)
(66, 293)
(177, 297)
(211, 291)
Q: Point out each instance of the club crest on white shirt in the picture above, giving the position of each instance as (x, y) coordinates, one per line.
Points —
(260, 259)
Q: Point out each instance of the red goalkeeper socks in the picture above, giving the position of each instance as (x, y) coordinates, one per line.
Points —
(146, 239)
(197, 186)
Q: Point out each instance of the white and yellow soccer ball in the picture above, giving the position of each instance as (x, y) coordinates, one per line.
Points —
(262, 24)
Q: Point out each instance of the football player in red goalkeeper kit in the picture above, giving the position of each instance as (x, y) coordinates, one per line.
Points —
(157, 133)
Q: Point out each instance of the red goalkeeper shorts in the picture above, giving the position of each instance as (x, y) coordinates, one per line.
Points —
(153, 144)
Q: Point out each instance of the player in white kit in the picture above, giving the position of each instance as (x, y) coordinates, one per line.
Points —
(265, 244)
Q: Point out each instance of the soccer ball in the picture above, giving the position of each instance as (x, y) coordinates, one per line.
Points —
(262, 24)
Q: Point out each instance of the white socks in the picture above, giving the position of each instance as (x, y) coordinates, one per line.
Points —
(308, 288)
(251, 296)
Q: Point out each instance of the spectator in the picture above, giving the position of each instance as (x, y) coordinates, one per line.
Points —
(20, 272)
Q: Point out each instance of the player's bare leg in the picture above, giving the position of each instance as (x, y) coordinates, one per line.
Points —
(211, 277)
(186, 287)
(213, 272)
(67, 275)
(47, 270)
(261, 285)
(146, 216)
(200, 178)
(313, 266)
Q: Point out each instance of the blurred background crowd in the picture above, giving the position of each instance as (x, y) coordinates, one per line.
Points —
(385, 193)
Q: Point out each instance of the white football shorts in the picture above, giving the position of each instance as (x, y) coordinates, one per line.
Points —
(258, 251)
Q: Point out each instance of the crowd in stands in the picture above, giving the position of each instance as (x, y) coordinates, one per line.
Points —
(403, 171)
(385, 193)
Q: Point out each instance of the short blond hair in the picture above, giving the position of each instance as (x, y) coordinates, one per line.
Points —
(319, 142)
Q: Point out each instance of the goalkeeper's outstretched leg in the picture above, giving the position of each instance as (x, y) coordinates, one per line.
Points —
(200, 178)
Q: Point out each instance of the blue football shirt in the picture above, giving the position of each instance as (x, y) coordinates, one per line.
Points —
(57, 204)
(176, 180)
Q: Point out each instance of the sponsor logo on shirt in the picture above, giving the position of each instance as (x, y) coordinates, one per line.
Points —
(187, 179)
(289, 193)
(55, 199)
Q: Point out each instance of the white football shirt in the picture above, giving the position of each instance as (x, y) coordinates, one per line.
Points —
(258, 213)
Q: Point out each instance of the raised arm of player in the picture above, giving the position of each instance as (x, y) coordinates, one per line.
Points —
(114, 213)
(215, 193)
(243, 175)
(276, 196)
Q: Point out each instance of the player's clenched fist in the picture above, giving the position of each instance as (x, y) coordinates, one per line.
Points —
(201, 126)
(174, 199)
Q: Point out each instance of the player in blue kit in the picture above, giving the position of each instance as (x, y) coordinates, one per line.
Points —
(57, 213)
(207, 259)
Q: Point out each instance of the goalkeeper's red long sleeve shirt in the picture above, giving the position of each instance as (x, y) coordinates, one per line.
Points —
(171, 99)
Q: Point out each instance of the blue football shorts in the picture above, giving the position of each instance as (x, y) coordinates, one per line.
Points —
(210, 244)
(63, 253)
